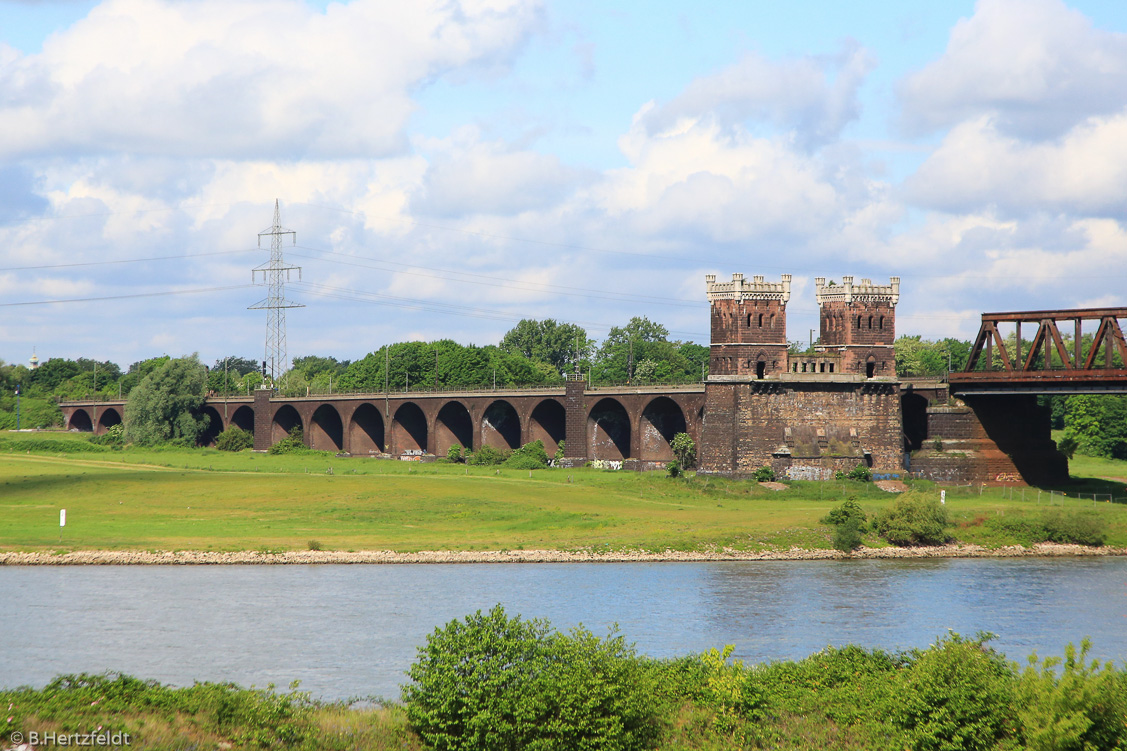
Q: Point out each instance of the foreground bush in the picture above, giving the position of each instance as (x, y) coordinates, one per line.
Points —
(485, 456)
(294, 443)
(849, 523)
(913, 520)
(494, 682)
(234, 438)
(1068, 527)
(529, 456)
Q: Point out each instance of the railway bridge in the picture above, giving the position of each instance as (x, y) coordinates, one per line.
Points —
(625, 423)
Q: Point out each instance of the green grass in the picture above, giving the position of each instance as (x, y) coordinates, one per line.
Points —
(210, 500)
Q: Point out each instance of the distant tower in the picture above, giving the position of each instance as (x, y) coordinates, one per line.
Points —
(33, 363)
(859, 321)
(275, 273)
(749, 326)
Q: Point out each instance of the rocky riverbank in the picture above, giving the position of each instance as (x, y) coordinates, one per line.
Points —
(306, 557)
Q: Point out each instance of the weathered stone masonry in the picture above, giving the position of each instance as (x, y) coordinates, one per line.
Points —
(805, 416)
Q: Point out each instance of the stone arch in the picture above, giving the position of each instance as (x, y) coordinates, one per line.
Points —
(326, 430)
(214, 426)
(870, 367)
(500, 426)
(285, 420)
(243, 418)
(548, 423)
(366, 431)
(913, 409)
(107, 418)
(409, 429)
(662, 419)
(608, 430)
(454, 426)
(80, 421)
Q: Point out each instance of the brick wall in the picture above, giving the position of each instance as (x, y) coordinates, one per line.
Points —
(263, 419)
(816, 423)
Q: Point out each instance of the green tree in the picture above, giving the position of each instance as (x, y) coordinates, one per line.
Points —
(640, 341)
(548, 341)
(166, 404)
(1097, 425)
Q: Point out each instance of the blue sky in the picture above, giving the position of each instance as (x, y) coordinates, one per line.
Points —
(453, 167)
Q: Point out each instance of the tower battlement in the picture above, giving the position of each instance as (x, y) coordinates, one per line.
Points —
(749, 325)
(858, 321)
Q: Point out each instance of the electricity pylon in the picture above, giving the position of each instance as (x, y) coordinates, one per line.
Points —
(275, 274)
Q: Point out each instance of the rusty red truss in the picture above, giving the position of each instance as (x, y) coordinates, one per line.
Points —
(1048, 356)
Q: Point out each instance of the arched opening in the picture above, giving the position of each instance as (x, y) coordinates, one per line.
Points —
(870, 367)
(870, 322)
(548, 423)
(760, 320)
(608, 430)
(244, 419)
(760, 369)
(882, 323)
(80, 421)
(500, 426)
(749, 320)
(454, 426)
(214, 426)
(858, 321)
(326, 433)
(662, 419)
(366, 431)
(107, 418)
(913, 409)
(285, 420)
(408, 429)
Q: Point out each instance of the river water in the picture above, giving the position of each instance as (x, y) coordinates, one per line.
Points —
(352, 631)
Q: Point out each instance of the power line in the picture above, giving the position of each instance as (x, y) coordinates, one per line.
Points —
(493, 281)
(126, 297)
(125, 260)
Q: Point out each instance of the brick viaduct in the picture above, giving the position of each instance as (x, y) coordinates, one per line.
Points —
(806, 415)
(632, 424)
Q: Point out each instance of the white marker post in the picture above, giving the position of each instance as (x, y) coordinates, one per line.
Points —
(62, 522)
(943, 497)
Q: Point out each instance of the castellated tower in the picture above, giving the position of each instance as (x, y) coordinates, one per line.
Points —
(749, 326)
(859, 322)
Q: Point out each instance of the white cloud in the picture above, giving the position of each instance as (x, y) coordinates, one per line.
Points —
(1084, 172)
(249, 79)
(814, 96)
(1036, 66)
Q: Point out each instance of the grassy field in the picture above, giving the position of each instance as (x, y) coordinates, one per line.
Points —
(205, 499)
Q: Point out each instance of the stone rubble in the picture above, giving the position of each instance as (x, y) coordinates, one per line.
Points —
(305, 557)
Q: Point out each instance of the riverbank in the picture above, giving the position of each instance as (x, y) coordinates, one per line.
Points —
(315, 557)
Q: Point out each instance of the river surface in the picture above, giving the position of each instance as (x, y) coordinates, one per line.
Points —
(352, 631)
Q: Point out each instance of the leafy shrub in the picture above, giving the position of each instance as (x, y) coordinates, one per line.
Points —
(291, 444)
(957, 695)
(673, 468)
(1078, 528)
(684, 449)
(486, 455)
(912, 520)
(234, 438)
(494, 682)
(113, 437)
(454, 455)
(529, 456)
(1067, 445)
(1079, 706)
(849, 523)
(314, 545)
(559, 451)
(860, 473)
(764, 474)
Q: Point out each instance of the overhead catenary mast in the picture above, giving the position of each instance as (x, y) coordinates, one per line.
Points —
(275, 273)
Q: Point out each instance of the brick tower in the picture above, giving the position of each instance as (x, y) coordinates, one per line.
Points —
(749, 326)
(859, 322)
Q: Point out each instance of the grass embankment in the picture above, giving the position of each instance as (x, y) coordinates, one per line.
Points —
(207, 500)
